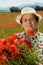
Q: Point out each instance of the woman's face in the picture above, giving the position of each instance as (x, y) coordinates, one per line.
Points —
(29, 21)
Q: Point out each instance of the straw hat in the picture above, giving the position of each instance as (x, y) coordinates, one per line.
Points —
(27, 10)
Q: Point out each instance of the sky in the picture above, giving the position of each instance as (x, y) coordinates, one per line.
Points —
(9, 3)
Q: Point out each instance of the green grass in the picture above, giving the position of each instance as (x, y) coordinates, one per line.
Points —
(9, 31)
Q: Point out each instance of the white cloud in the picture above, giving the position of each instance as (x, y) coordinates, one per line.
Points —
(8, 3)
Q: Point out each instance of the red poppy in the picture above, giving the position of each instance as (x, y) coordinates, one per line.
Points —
(3, 40)
(0, 39)
(16, 50)
(2, 47)
(1, 53)
(31, 32)
(20, 41)
(10, 48)
(11, 39)
(4, 58)
(15, 53)
(28, 43)
(15, 36)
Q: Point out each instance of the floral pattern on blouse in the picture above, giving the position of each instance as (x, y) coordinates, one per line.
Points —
(36, 41)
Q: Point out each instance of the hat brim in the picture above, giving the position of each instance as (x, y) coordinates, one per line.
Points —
(18, 18)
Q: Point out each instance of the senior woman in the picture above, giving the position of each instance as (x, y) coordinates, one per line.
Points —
(29, 19)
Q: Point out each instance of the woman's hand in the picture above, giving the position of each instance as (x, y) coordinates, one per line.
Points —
(37, 63)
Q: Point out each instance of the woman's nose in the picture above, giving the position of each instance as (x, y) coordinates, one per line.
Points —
(29, 22)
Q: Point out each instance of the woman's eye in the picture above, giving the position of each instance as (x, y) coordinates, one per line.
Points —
(32, 19)
(25, 20)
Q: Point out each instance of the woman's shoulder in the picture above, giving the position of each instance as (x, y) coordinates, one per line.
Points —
(40, 33)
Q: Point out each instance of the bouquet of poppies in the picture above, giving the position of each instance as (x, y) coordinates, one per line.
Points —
(17, 51)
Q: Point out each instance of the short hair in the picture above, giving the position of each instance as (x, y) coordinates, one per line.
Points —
(21, 20)
(36, 18)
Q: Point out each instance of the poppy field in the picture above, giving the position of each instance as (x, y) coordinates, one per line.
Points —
(8, 25)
